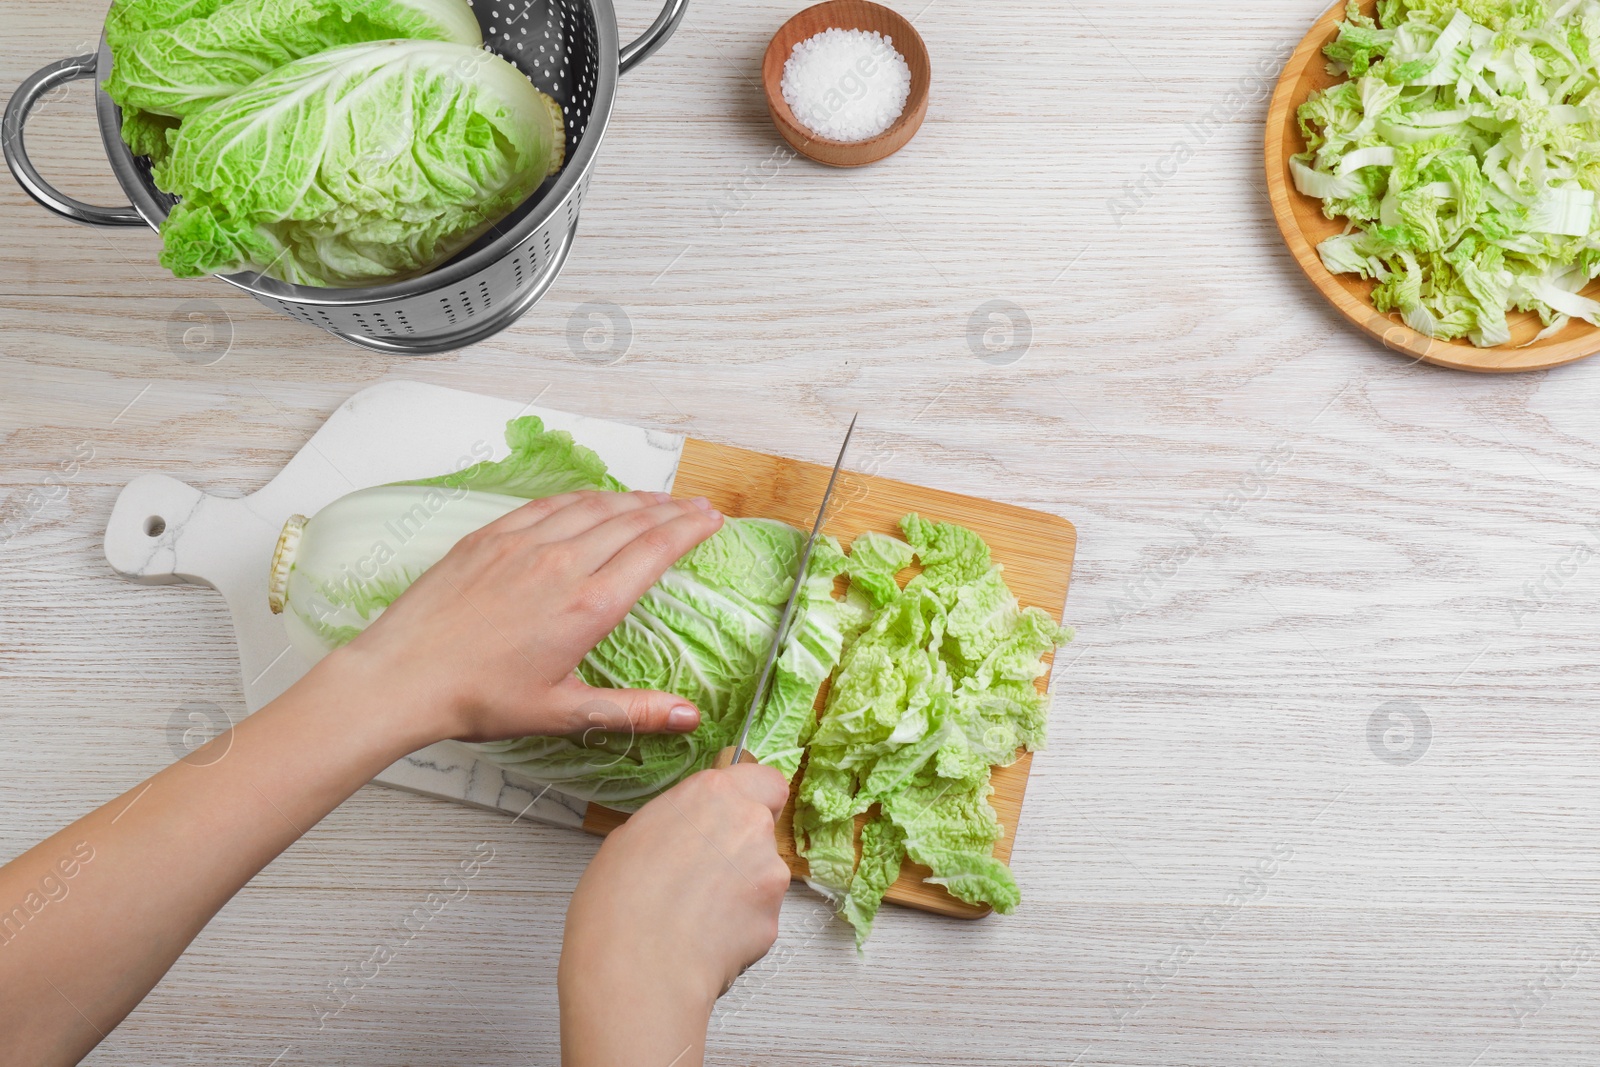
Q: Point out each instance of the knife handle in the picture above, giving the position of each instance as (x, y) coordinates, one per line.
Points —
(725, 758)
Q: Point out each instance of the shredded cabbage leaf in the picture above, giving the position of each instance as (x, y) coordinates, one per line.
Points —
(939, 688)
(1464, 152)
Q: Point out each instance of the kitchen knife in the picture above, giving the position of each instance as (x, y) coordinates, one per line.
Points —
(735, 752)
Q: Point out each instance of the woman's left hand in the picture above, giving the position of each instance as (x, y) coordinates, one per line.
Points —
(482, 646)
(485, 643)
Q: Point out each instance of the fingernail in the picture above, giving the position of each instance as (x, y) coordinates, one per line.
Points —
(662, 498)
(702, 503)
(683, 717)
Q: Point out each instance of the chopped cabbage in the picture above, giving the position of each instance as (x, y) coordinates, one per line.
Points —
(938, 689)
(1464, 151)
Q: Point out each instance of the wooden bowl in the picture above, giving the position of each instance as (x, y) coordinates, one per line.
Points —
(847, 15)
(1303, 225)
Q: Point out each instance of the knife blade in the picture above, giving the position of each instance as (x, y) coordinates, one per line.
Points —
(733, 754)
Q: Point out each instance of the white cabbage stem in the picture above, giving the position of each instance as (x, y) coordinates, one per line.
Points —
(334, 573)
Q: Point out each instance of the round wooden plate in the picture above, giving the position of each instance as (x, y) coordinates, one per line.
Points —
(1303, 225)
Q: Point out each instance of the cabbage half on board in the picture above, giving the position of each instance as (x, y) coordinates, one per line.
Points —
(357, 166)
(702, 632)
(170, 58)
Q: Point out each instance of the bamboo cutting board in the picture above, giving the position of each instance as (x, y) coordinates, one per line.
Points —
(1035, 549)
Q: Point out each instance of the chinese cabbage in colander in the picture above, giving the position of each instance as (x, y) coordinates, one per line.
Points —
(173, 57)
(357, 166)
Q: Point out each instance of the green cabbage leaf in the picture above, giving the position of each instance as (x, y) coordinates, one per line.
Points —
(356, 166)
(130, 17)
(701, 632)
(171, 71)
(1464, 152)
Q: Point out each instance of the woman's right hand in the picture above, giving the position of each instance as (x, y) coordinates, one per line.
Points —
(678, 901)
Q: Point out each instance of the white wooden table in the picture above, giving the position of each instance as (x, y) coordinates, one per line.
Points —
(1235, 851)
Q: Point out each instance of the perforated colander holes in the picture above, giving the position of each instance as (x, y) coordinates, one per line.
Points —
(311, 316)
(483, 293)
(404, 324)
(444, 302)
(466, 303)
(295, 311)
(326, 323)
(516, 266)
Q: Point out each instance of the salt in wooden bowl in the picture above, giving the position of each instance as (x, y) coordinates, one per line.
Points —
(847, 15)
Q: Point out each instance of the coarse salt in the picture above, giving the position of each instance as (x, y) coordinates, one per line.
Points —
(846, 85)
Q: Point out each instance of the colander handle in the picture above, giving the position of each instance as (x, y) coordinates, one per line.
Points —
(22, 169)
(656, 36)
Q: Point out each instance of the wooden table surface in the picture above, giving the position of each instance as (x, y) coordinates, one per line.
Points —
(1322, 785)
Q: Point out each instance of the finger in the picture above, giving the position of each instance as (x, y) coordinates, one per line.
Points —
(634, 711)
(533, 511)
(594, 510)
(642, 562)
(576, 512)
(595, 547)
(765, 785)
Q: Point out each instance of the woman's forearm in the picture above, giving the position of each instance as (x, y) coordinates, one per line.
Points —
(484, 646)
(91, 918)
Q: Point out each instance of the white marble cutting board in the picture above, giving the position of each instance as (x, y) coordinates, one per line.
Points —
(163, 530)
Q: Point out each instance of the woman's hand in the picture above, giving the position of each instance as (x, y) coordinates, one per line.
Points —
(678, 901)
(483, 646)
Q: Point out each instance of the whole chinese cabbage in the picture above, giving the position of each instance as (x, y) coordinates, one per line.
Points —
(1465, 152)
(357, 166)
(170, 58)
(701, 632)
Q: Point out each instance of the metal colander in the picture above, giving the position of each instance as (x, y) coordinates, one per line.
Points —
(567, 48)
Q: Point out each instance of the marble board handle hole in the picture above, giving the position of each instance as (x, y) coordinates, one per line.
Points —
(155, 526)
